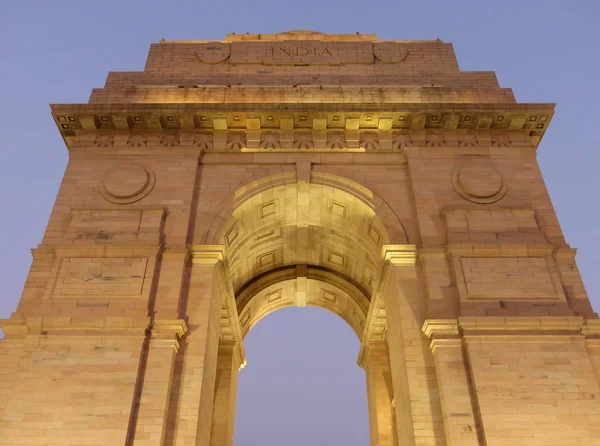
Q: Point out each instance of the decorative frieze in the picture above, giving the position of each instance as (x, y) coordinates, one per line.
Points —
(299, 140)
(465, 125)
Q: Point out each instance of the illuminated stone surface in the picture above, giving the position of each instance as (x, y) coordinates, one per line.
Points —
(233, 178)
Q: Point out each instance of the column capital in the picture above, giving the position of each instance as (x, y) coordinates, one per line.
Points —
(440, 327)
(399, 255)
(207, 254)
(168, 327)
(443, 333)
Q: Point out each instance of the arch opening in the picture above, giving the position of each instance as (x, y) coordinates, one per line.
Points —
(302, 385)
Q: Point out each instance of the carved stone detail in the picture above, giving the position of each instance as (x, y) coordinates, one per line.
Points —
(336, 140)
(369, 141)
(303, 140)
(204, 140)
(270, 140)
(467, 140)
(236, 141)
(169, 140)
(104, 140)
(401, 141)
(434, 140)
(501, 140)
(137, 140)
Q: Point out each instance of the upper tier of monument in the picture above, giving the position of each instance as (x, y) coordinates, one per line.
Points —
(302, 67)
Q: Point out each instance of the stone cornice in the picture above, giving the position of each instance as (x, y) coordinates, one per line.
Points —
(441, 107)
(253, 120)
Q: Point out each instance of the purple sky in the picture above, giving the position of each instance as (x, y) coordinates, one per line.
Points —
(302, 385)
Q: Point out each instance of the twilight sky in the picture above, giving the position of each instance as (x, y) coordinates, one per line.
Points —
(301, 385)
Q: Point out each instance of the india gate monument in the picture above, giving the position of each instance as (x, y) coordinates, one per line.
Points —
(371, 178)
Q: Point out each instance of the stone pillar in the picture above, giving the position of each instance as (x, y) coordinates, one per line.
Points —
(223, 419)
(380, 397)
(416, 397)
(151, 419)
(191, 403)
(461, 416)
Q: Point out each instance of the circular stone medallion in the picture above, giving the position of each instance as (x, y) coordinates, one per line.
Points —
(479, 184)
(127, 183)
(213, 52)
(389, 52)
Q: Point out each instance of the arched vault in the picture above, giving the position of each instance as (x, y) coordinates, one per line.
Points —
(304, 243)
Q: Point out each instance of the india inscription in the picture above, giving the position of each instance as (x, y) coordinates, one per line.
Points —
(208, 191)
(299, 51)
(307, 52)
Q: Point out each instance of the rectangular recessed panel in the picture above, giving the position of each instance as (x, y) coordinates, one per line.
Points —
(90, 276)
(337, 209)
(337, 259)
(266, 259)
(268, 209)
(506, 277)
(245, 318)
(232, 234)
(374, 234)
(328, 295)
(274, 295)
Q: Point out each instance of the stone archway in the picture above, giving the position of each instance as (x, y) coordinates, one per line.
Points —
(299, 243)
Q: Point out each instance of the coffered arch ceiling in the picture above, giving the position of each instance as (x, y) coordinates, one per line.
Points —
(305, 224)
(304, 243)
(293, 286)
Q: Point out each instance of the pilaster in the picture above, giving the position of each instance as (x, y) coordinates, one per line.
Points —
(416, 398)
(195, 369)
(380, 397)
(151, 417)
(223, 419)
(459, 406)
